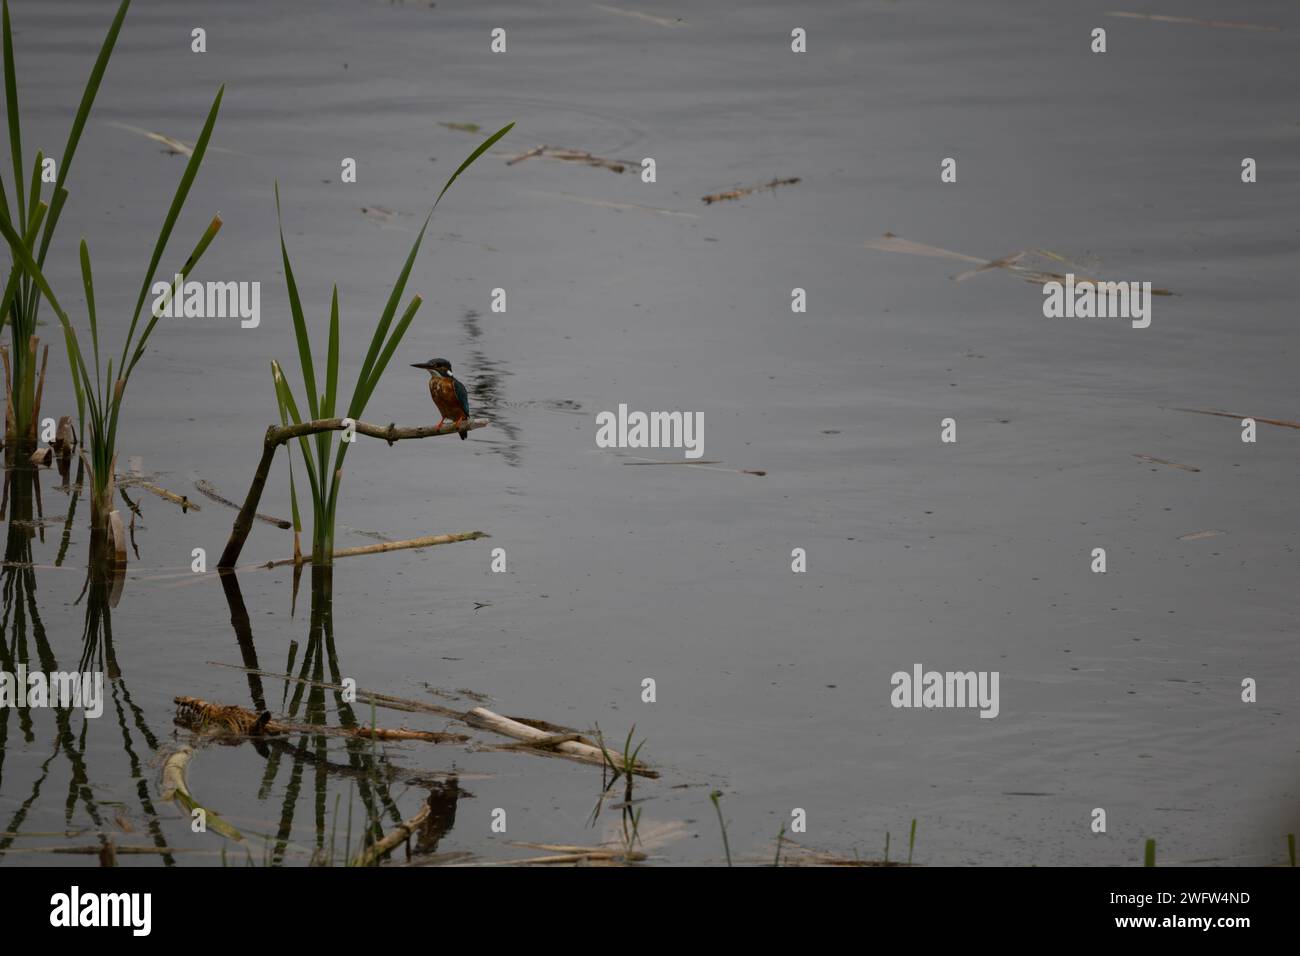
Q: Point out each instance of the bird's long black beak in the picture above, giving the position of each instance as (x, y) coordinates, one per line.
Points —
(423, 365)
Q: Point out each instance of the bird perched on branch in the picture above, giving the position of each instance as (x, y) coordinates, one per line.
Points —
(449, 394)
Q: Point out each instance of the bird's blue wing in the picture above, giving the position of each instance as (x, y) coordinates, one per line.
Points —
(463, 395)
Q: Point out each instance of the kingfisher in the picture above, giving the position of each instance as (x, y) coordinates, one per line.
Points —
(449, 394)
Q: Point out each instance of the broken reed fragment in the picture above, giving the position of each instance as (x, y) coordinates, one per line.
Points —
(569, 155)
(743, 191)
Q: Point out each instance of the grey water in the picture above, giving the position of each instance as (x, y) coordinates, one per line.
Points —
(1120, 691)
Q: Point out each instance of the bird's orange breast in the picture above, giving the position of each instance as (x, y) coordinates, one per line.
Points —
(443, 391)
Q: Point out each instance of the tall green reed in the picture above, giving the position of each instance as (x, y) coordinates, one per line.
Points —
(317, 450)
(35, 223)
(103, 392)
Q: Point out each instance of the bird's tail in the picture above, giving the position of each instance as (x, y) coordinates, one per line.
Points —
(463, 434)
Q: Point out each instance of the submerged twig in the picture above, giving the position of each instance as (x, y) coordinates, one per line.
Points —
(1166, 461)
(208, 491)
(744, 191)
(1281, 422)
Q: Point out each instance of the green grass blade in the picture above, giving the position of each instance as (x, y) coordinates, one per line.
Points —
(11, 288)
(34, 191)
(11, 107)
(285, 397)
(182, 192)
(381, 330)
(389, 348)
(299, 320)
(88, 283)
(483, 148)
(34, 294)
(186, 268)
(23, 257)
(293, 491)
(70, 344)
(332, 360)
(79, 123)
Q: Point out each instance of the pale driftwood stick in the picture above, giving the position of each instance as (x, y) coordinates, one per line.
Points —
(482, 717)
(425, 542)
(391, 841)
(277, 435)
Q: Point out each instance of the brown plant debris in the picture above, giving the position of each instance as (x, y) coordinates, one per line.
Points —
(479, 717)
(1166, 461)
(204, 717)
(1197, 535)
(569, 155)
(744, 191)
(1196, 21)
